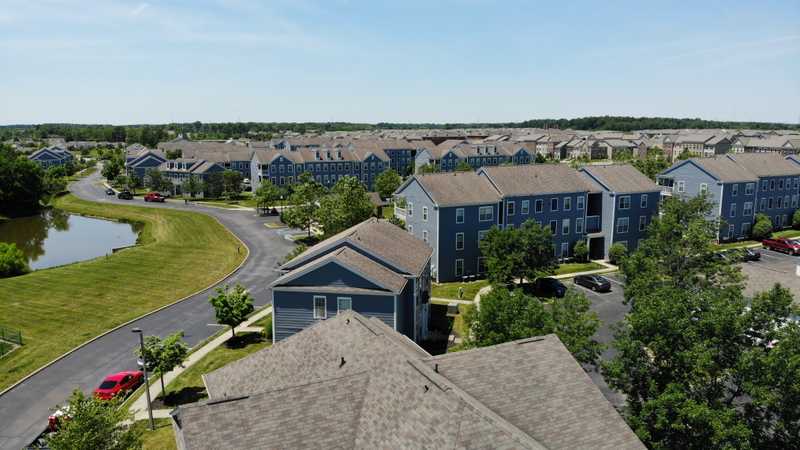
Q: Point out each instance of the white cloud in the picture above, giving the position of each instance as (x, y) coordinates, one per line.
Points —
(139, 9)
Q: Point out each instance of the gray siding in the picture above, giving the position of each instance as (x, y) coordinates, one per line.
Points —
(294, 311)
(634, 214)
(448, 254)
(332, 274)
(415, 224)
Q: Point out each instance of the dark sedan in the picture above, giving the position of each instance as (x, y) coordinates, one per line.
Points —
(125, 195)
(549, 287)
(593, 282)
(110, 191)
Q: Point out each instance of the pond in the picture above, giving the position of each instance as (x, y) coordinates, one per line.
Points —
(54, 237)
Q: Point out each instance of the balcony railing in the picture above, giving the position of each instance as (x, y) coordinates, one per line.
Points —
(666, 190)
(400, 213)
(593, 224)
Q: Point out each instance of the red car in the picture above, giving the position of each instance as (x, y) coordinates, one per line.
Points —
(120, 383)
(783, 245)
(154, 197)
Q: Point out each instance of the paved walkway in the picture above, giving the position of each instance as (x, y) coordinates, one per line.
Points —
(139, 407)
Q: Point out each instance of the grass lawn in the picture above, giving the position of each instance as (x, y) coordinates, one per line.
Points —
(388, 212)
(162, 438)
(58, 309)
(564, 269)
(262, 322)
(790, 233)
(188, 386)
(450, 290)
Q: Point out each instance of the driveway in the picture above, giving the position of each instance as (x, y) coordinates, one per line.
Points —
(24, 409)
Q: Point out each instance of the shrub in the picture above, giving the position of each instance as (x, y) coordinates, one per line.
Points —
(295, 251)
(581, 251)
(12, 261)
(796, 218)
(762, 229)
(617, 252)
(268, 328)
(394, 220)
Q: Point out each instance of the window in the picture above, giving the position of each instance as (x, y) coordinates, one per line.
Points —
(625, 202)
(485, 213)
(564, 250)
(482, 234)
(749, 188)
(567, 203)
(735, 190)
(526, 206)
(642, 223)
(794, 201)
(771, 185)
(681, 186)
(769, 203)
(553, 204)
(481, 264)
(748, 209)
(733, 210)
(344, 304)
(622, 225)
(459, 215)
(553, 227)
(779, 202)
(410, 209)
(746, 229)
(320, 307)
(764, 185)
(731, 231)
(780, 184)
(425, 235)
(459, 267)
(579, 225)
(510, 207)
(580, 200)
(565, 226)
(424, 213)
(539, 206)
(763, 204)
(459, 241)
(703, 188)
(786, 201)
(643, 201)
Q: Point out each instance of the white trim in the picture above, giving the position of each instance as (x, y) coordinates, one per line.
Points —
(294, 274)
(324, 307)
(273, 316)
(462, 241)
(394, 318)
(339, 305)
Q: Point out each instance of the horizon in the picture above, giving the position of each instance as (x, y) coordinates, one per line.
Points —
(452, 62)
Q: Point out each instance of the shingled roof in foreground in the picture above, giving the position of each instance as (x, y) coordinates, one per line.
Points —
(353, 382)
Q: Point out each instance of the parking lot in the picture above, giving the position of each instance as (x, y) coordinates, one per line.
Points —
(773, 268)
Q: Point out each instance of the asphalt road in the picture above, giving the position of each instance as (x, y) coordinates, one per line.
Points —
(24, 409)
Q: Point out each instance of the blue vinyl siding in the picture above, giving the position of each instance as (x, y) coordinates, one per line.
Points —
(332, 274)
(547, 215)
(448, 228)
(634, 213)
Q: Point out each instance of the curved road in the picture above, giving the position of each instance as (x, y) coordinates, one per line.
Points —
(24, 409)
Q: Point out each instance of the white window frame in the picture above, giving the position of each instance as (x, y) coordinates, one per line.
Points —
(642, 223)
(580, 203)
(556, 200)
(481, 213)
(424, 213)
(620, 221)
(460, 213)
(564, 249)
(680, 186)
(749, 188)
(511, 208)
(457, 262)
(538, 206)
(745, 207)
(339, 300)
(565, 227)
(425, 236)
(410, 209)
(525, 208)
(625, 202)
(324, 307)
(411, 228)
(460, 235)
(643, 201)
(579, 225)
(732, 212)
(482, 234)
(567, 204)
(554, 229)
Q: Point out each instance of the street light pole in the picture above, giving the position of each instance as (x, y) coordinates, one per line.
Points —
(146, 381)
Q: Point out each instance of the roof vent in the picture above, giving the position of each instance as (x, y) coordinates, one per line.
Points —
(436, 367)
(341, 363)
(427, 388)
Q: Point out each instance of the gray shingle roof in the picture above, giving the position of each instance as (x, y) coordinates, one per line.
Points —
(622, 178)
(725, 169)
(380, 238)
(537, 179)
(458, 188)
(766, 164)
(352, 382)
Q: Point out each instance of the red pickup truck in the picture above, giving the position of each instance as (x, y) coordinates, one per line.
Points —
(783, 245)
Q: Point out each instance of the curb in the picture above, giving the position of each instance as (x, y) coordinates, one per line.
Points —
(236, 269)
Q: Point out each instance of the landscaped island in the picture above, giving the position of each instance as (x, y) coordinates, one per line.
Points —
(58, 309)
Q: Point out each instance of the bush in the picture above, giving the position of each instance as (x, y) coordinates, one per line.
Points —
(268, 328)
(796, 219)
(397, 222)
(581, 251)
(617, 252)
(295, 251)
(12, 261)
(762, 229)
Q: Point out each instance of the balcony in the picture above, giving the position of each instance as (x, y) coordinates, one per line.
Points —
(666, 191)
(400, 213)
(593, 224)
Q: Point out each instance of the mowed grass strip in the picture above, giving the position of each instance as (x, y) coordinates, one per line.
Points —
(60, 308)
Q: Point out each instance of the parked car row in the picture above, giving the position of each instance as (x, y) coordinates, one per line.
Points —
(783, 245)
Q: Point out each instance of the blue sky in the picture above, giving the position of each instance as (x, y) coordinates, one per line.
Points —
(106, 61)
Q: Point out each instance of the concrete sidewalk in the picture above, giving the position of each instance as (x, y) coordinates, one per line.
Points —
(139, 407)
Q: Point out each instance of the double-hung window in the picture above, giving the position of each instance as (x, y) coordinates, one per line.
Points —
(526, 207)
(643, 201)
(680, 186)
(539, 206)
(748, 209)
(510, 208)
(485, 213)
(567, 203)
(424, 213)
(459, 215)
(703, 188)
(459, 241)
(625, 202)
(554, 204)
(425, 236)
(622, 225)
(734, 190)
(482, 234)
(580, 200)
(344, 304)
(749, 188)
(459, 267)
(410, 209)
(565, 226)
(733, 210)
(553, 227)
(320, 307)
(642, 223)
(579, 225)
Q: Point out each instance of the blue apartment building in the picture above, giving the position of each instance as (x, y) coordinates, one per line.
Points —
(452, 212)
(739, 186)
(51, 156)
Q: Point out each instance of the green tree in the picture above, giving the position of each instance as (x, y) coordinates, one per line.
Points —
(174, 154)
(305, 203)
(762, 228)
(387, 182)
(12, 261)
(617, 252)
(581, 251)
(122, 181)
(540, 159)
(505, 315)
(232, 306)
(134, 182)
(213, 185)
(156, 180)
(96, 424)
(267, 194)
(192, 186)
(691, 351)
(394, 220)
(172, 352)
(463, 166)
(524, 252)
(113, 167)
(796, 219)
(296, 251)
(653, 163)
(429, 168)
(233, 182)
(21, 183)
(346, 205)
(55, 180)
